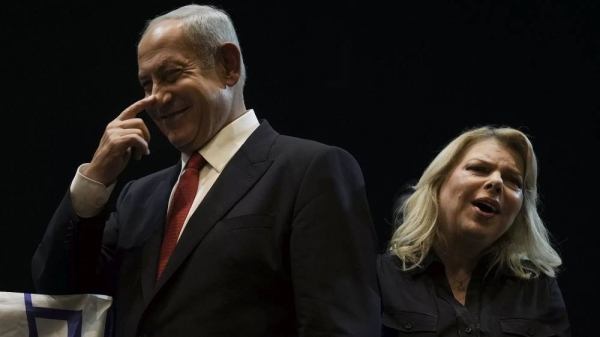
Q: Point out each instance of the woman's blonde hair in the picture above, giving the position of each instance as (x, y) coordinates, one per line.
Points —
(524, 250)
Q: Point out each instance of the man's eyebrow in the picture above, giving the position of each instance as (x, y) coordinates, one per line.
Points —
(160, 68)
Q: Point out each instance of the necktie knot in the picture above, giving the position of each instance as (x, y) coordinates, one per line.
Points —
(196, 161)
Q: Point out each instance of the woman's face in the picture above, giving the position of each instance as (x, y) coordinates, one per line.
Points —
(482, 195)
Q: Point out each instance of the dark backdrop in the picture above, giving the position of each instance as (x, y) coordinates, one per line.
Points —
(391, 84)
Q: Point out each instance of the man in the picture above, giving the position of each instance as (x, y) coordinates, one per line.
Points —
(278, 241)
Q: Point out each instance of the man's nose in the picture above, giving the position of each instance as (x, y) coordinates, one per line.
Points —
(162, 97)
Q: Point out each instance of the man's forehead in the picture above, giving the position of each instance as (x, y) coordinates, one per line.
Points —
(161, 32)
(164, 28)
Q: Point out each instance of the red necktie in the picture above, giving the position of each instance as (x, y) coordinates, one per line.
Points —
(180, 206)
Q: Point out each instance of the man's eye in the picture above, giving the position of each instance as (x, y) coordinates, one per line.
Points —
(172, 75)
(147, 88)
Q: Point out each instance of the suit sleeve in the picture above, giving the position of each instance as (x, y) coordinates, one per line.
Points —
(334, 250)
(76, 255)
(557, 312)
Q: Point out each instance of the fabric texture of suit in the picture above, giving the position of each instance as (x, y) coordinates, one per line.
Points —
(282, 245)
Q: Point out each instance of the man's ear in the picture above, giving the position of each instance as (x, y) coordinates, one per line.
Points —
(232, 63)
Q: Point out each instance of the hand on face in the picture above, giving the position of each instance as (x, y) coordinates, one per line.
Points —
(125, 136)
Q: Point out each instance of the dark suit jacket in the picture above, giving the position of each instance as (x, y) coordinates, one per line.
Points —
(282, 245)
(419, 302)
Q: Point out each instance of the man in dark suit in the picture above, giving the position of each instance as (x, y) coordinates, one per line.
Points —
(279, 239)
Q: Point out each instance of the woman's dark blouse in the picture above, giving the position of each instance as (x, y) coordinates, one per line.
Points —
(419, 302)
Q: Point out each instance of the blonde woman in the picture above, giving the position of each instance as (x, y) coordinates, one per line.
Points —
(471, 255)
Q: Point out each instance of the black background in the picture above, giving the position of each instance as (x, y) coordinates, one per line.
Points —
(389, 82)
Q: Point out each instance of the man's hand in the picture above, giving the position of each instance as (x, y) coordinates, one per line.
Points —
(125, 136)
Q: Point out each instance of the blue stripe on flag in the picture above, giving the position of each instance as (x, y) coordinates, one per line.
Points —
(73, 317)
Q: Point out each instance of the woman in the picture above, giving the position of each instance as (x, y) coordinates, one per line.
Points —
(471, 255)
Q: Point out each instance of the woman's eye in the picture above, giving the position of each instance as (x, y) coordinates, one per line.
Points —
(516, 182)
(476, 168)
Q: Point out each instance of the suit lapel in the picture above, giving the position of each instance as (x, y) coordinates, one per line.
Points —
(241, 173)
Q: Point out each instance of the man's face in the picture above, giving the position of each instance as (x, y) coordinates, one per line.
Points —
(192, 103)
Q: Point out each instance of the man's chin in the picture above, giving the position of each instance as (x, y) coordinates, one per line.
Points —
(183, 146)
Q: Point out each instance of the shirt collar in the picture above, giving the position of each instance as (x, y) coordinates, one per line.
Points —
(432, 262)
(221, 148)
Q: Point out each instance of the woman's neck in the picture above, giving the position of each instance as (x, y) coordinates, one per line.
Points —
(458, 266)
(459, 263)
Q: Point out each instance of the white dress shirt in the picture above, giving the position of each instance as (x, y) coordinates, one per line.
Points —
(89, 196)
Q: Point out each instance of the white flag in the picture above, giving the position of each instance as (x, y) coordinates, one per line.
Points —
(39, 315)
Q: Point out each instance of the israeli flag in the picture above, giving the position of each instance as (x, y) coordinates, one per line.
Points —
(39, 315)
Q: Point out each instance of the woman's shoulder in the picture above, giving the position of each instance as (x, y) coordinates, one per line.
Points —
(387, 260)
(390, 265)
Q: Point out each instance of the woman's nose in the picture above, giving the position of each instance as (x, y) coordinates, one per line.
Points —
(494, 183)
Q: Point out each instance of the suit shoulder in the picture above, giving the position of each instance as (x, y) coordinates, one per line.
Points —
(151, 179)
(308, 147)
(302, 142)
